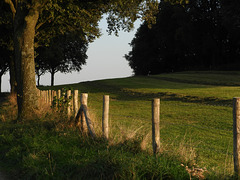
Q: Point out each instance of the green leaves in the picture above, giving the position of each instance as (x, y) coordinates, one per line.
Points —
(122, 14)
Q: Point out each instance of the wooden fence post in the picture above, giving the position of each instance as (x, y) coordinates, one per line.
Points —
(39, 93)
(105, 116)
(83, 100)
(55, 94)
(58, 98)
(155, 125)
(54, 99)
(75, 102)
(46, 92)
(59, 94)
(50, 97)
(69, 103)
(236, 135)
(43, 96)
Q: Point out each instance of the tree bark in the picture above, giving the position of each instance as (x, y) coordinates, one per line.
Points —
(24, 32)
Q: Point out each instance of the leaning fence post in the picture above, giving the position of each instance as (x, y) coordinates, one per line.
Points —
(155, 125)
(105, 116)
(75, 102)
(236, 135)
(83, 100)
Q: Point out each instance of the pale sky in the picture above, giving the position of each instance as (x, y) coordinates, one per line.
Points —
(105, 60)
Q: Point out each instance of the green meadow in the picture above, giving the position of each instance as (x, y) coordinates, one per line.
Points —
(195, 129)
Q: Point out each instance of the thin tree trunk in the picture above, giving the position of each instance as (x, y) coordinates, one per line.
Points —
(38, 79)
(52, 77)
(24, 32)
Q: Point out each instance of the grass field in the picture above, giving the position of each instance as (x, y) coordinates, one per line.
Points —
(196, 129)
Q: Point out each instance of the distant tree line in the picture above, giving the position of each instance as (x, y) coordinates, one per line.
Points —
(188, 35)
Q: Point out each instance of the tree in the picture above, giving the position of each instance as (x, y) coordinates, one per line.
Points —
(3, 66)
(63, 16)
(40, 69)
(65, 53)
(6, 42)
(5, 53)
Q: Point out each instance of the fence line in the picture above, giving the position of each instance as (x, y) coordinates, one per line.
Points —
(83, 121)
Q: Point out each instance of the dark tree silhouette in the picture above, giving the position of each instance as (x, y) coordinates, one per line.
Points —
(198, 35)
(64, 54)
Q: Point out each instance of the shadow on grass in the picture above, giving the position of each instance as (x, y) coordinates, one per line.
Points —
(127, 95)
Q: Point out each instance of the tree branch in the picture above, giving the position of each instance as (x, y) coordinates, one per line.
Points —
(42, 23)
(12, 7)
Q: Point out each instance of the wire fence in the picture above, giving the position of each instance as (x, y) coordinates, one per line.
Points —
(80, 112)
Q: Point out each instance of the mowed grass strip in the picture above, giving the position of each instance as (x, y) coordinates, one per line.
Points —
(221, 78)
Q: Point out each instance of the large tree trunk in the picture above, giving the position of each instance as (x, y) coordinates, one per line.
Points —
(13, 83)
(0, 83)
(24, 32)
